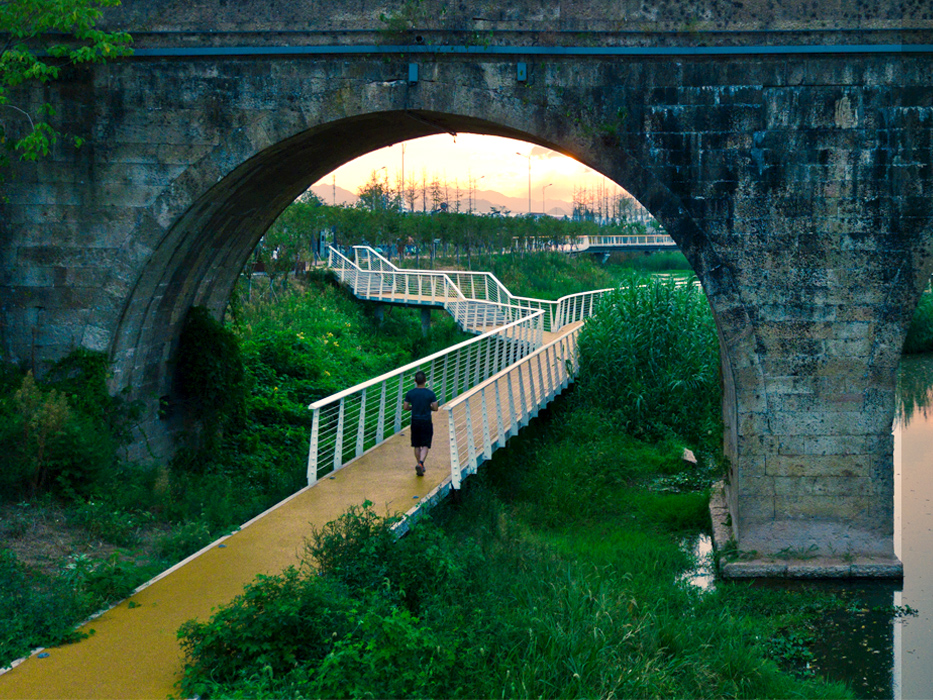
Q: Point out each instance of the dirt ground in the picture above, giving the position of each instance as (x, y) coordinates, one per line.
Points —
(41, 537)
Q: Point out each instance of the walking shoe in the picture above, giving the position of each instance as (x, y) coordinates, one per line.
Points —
(419, 469)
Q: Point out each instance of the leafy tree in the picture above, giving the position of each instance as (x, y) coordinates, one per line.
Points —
(378, 195)
(38, 39)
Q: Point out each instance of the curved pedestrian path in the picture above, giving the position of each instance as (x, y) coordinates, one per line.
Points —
(132, 650)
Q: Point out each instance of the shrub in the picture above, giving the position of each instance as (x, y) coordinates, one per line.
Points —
(279, 622)
(650, 357)
(61, 435)
(34, 610)
(920, 332)
(210, 377)
(387, 655)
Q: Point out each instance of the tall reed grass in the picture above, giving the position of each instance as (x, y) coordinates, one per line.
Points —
(650, 358)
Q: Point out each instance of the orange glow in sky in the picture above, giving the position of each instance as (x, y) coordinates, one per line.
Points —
(496, 163)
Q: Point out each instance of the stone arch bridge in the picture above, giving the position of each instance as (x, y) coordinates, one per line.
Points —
(789, 154)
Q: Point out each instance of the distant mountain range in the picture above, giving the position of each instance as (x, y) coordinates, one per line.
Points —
(483, 203)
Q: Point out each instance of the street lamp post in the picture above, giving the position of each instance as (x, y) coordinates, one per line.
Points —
(543, 198)
(473, 182)
(528, 156)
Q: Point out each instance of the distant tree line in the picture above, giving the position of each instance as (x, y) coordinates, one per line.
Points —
(380, 218)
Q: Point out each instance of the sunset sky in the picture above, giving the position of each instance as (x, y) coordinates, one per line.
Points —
(494, 162)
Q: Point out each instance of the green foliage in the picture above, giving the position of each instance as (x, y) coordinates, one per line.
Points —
(920, 333)
(210, 375)
(650, 357)
(388, 655)
(278, 623)
(546, 275)
(657, 261)
(64, 31)
(61, 434)
(35, 610)
(185, 540)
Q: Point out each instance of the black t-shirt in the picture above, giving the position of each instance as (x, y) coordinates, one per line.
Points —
(420, 401)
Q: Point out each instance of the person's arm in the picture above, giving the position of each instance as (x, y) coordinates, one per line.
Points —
(434, 406)
(406, 406)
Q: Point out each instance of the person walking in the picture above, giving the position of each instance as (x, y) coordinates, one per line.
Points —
(421, 401)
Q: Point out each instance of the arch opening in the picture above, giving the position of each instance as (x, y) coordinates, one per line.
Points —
(198, 257)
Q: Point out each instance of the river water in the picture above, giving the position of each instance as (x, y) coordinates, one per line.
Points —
(879, 651)
(912, 662)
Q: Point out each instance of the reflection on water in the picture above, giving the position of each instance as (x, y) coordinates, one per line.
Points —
(913, 543)
(872, 647)
(704, 575)
(915, 389)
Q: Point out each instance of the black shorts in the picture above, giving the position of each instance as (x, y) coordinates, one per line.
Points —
(422, 432)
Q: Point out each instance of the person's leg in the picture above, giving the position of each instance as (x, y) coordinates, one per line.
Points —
(422, 454)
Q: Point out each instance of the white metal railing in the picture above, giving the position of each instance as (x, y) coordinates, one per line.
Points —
(569, 244)
(382, 281)
(491, 385)
(482, 419)
(350, 422)
(661, 240)
(478, 286)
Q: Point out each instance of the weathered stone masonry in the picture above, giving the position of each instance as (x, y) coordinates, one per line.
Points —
(798, 185)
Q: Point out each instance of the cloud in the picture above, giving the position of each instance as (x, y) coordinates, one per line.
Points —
(542, 152)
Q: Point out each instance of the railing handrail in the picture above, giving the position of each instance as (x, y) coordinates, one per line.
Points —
(490, 275)
(320, 403)
(553, 305)
(453, 403)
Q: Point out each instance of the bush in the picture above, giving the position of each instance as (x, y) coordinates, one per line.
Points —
(920, 333)
(650, 357)
(61, 434)
(279, 622)
(35, 610)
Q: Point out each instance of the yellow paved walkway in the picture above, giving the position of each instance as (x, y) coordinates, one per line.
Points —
(134, 652)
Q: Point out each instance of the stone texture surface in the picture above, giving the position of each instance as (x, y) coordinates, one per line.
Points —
(797, 185)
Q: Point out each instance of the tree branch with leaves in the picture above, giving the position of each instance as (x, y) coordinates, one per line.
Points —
(39, 38)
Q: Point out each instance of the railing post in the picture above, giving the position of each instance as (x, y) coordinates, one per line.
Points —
(537, 397)
(457, 372)
(397, 423)
(500, 427)
(312, 450)
(471, 447)
(381, 420)
(513, 419)
(455, 469)
(361, 425)
(521, 396)
(338, 440)
(549, 356)
(487, 442)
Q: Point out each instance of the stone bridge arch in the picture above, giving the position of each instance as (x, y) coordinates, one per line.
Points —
(215, 224)
(796, 182)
